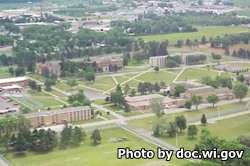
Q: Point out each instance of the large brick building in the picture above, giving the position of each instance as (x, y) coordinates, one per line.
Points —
(55, 117)
(53, 68)
(104, 63)
(143, 102)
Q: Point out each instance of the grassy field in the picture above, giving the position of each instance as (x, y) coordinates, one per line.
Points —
(208, 32)
(4, 74)
(35, 93)
(104, 154)
(241, 3)
(193, 115)
(197, 74)
(157, 77)
(48, 101)
(228, 129)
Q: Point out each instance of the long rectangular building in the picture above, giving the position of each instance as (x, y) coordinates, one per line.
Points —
(55, 117)
(21, 81)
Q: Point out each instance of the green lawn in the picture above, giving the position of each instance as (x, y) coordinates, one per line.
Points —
(129, 114)
(35, 93)
(196, 74)
(54, 92)
(48, 101)
(4, 6)
(108, 116)
(132, 83)
(228, 129)
(157, 77)
(121, 79)
(208, 32)
(104, 154)
(105, 80)
(193, 115)
(87, 121)
(63, 86)
(242, 3)
(134, 63)
(4, 74)
(245, 12)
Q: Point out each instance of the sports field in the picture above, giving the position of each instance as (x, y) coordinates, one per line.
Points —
(89, 155)
(208, 32)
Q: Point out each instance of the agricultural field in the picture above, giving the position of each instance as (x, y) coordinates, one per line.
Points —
(87, 154)
(208, 32)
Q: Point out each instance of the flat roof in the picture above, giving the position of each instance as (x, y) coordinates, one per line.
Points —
(16, 79)
(143, 98)
(11, 87)
(54, 112)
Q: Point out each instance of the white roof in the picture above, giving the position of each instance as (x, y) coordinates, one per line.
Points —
(9, 80)
(11, 87)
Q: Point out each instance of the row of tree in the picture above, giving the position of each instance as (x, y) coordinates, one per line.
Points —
(147, 87)
(241, 53)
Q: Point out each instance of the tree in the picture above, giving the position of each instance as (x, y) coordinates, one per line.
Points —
(157, 87)
(138, 56)
(213, 99)
(11, 70)
(178, 90)
(156, 130)
(157, 106)
(132, 93)
(117, 98)
(240, 90)
(89, 75)
(181, 122)
(172, 129)
(196, 100)
(171, 64)
(32, 84)
(188, 104)
(48, 85)
(203, 40)
(162, 84)
(127, 89)
(65, 136)
(21, 144)
(203, 119)
(156, 68)
(241, 78)
(216, 57)
(192, 131)
(107, 99)
(77, 136)
(72, 82)
(227, 52)
(96, 136)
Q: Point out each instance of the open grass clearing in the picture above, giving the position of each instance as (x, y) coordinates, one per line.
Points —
(48, 101)
(208, 32)
(36, 93)
(103, 154)
(227, 129)
(197, 74)
(193, 115)
(157, 77)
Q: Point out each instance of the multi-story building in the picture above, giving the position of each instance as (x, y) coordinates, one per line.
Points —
(48, 118)
(53, 68)
(143, 102)
(157, 61)
(104, 63)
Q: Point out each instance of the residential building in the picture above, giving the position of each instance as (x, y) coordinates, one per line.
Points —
(55, 117)
(52, 68)
(157, 61)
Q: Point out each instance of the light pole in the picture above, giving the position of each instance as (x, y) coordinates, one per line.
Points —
(218, 112)
(176, 139)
